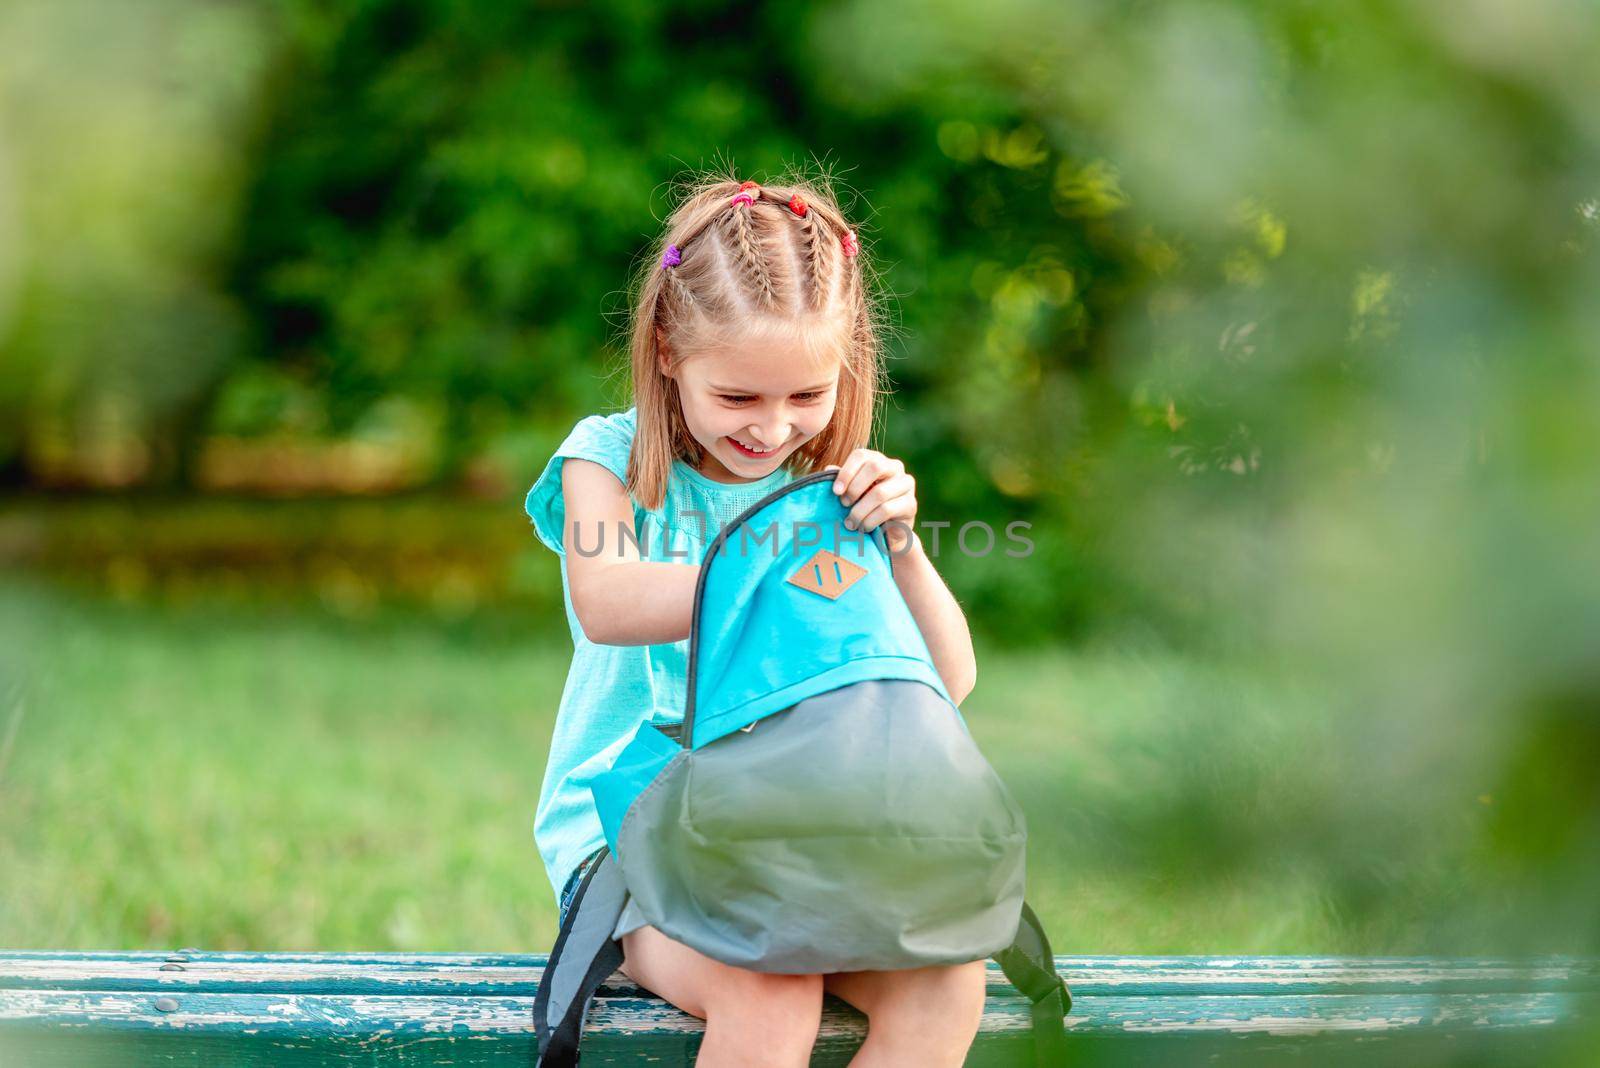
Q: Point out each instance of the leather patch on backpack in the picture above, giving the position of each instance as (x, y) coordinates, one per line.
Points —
(827, 574)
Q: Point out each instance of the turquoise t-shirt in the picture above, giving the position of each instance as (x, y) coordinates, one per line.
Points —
(611, 689)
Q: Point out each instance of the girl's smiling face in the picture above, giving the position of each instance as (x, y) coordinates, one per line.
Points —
(750, 407)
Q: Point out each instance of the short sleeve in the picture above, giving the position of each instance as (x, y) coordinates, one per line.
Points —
(604, 439)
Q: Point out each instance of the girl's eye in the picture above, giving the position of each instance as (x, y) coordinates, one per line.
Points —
(731, 399)
(809, 396)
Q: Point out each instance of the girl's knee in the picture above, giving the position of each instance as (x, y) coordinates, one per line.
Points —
(940, 1006)
(759, 992)
(782, 1009)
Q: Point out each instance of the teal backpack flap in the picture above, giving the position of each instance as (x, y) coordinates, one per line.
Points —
(791, 604)
(825, 808)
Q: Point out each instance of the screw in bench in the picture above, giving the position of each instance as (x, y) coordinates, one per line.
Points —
(172, 967)
(166, 1004)
(177, 958)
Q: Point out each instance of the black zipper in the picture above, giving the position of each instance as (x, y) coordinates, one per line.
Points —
(687, 737)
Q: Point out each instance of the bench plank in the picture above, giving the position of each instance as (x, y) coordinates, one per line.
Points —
(469, 974)
(463, 1009)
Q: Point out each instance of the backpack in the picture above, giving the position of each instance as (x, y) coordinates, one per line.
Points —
(821, 807)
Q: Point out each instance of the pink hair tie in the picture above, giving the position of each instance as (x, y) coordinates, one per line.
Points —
(745, 197)
(849, 243)
(672, 258)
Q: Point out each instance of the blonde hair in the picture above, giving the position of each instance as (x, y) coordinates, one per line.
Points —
(756, 269)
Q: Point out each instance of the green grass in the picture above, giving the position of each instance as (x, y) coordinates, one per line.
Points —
(285, 779)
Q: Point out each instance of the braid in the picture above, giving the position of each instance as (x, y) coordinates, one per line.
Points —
(744, 243)
(842, 270)
(681, 291)
(810, 259)
(816, 275)
(850, 276)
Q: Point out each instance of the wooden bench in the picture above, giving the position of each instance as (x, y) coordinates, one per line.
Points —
(201, 1008)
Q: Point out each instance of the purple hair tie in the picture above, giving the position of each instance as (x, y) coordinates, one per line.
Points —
(672, 258)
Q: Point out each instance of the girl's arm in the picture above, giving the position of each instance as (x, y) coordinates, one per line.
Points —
(877, 489)
(939, 617)
(619, 597)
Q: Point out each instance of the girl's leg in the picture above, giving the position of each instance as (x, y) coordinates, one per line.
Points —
(752, 1018)
(921, 1016)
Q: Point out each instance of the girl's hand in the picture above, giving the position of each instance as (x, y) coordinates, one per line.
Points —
(877, 489)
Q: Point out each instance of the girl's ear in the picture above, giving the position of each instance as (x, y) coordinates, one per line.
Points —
(663, 356)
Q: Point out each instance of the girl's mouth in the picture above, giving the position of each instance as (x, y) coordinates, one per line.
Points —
(745, 450)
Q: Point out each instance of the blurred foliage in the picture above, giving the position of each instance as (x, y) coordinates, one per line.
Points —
(121, 161)
(1276, 320)
(1170, 276)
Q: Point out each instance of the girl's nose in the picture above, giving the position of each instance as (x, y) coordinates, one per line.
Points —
(768, 436)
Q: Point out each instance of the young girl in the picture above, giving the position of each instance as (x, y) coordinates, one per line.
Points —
(755, 360)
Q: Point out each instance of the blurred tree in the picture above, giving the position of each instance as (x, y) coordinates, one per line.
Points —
(448, 192)
(445, 191)
(120, 129)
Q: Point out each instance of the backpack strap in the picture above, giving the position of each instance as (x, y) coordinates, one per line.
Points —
(1031, 968)
(584, 956)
